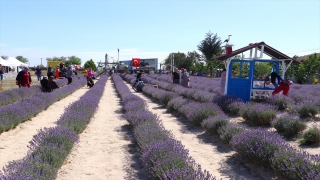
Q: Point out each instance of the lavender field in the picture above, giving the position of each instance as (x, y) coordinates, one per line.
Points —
(112, 132)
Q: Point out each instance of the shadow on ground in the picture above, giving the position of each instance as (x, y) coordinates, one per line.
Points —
(135, 171)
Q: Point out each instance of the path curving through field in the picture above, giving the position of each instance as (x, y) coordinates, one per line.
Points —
(205, 149)
(105, 150)
(13, 143)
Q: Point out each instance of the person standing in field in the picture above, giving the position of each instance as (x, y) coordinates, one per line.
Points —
(176, 76)
(38, 73)
(90, 75)
(1, 73)
(69, 75)
(85, 73)
(223, 80)
(184, 78)
(23, 78)
(57, 72)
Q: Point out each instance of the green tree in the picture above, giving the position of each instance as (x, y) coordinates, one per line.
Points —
(91, 64)
(73, 60)
(308, 68)
(262, 69)
(196, 67)
(22, 59)
(210, 46)
(181, 60)
(293, 68)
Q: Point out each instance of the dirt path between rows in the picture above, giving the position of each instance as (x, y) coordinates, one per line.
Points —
(13, 143)
(207, 150)
(106, 149)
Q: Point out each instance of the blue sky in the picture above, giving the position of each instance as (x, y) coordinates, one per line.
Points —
(152, 29)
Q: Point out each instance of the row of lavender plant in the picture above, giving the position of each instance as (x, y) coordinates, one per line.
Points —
(260, 146)
(50, 147)
(261, 113)
(14, 114)
(162, 155)
(17, 94)
(303, 99)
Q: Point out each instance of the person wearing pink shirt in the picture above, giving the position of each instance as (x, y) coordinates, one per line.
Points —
(90, 75)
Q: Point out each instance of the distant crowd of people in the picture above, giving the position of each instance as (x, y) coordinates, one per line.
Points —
(181, 77)
(48, 83)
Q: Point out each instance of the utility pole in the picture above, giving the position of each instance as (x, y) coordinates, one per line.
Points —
(118, 54)
(41, 62)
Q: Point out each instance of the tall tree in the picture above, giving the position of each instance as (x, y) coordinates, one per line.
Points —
(91, 64)
(22, 59)
(308, 68)
(181, 60)
(73, 60)
(210, 46)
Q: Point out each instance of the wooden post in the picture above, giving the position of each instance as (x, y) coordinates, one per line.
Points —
(1, 86)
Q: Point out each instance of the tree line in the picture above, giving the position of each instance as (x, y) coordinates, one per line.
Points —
(210, 47)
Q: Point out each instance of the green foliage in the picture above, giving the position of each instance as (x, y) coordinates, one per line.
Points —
(197, 66)
(213, 124)
(73, 60)
(22, 59)
(182, 60)
(290, 125)
(210, 46)
(91, 64)
(228, 131)
(307, 110)
(308, 68)
(67, 61)
(312, 135)
(262, 69)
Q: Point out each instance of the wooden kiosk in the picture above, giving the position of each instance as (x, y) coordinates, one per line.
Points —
(245, 84)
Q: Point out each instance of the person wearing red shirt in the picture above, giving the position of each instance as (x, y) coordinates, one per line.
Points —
(24, 78)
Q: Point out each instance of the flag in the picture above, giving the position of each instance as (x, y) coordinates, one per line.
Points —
(135, 62)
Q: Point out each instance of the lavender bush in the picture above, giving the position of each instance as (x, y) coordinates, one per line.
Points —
(289, 124)
(282, 102)
(296, 164)
(235, 107)
(307, 108)
(259, 114)
(162, 156)
(213, 124)
(176, 103)
(228, 131)
(169, 158)
(50, 147)
(225, 101)
(14, 114)
(197, 112)
(312, 135)
(258, 145)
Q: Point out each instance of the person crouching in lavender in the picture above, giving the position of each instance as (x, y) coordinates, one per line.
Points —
(23, 78)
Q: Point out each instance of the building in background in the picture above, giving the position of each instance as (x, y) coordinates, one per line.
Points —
(152, 63)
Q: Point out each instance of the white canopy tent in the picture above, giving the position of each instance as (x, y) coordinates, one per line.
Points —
(15, 62)
(4, 62)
